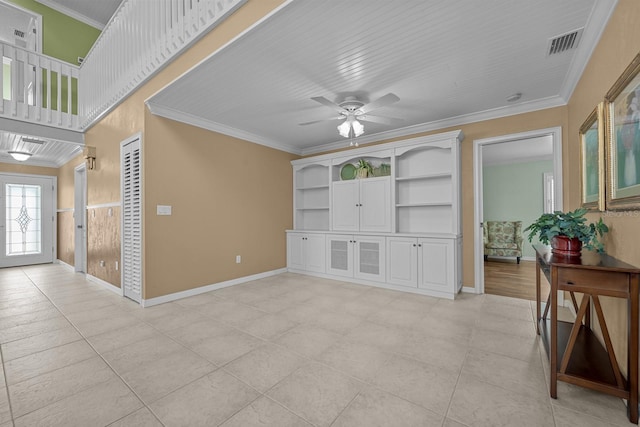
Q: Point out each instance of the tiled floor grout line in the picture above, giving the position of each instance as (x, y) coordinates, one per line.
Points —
(84, 338)
(313, 359)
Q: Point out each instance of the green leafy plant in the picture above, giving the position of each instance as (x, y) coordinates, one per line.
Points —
(570, 224)
(364, 168)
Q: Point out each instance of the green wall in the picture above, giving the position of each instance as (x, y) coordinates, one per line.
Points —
(514, 192)
(63, 37)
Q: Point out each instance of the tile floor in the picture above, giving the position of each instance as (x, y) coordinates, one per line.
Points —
(288, 350)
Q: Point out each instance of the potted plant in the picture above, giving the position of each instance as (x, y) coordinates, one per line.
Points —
(363, 169)
(568, 232)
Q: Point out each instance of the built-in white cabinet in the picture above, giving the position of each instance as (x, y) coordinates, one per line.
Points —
(402, 261)
(424, 263)
(357, 256)
(397, 226)
(362, 205)
(311, 196)
(306, 252)
(427, 188)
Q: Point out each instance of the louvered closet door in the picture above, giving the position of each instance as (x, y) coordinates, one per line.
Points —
(132, 220)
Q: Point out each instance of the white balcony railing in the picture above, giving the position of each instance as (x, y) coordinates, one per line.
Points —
(37, 88)
(141, 38)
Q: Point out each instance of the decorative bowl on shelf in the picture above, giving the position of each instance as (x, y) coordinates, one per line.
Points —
(348, 172)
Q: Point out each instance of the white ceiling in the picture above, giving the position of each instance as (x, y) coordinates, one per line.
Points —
(50, 153)
(449, 62)
(92, 12)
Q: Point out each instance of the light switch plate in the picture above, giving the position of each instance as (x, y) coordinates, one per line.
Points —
(163, 210)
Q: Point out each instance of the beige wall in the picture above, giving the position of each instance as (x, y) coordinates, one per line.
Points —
(28, 170)
(229, 197)
(619, 44)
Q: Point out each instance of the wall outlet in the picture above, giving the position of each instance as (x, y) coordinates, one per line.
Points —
(117, 265)
(102, 263)
(238, 259)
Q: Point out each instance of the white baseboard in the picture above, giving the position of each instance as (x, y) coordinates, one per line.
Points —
(67, 266)
(108, 286)
(207, 288)
(469, 290)
(431, 293)
(568, 304)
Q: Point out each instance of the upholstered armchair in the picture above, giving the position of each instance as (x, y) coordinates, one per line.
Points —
(503, 238)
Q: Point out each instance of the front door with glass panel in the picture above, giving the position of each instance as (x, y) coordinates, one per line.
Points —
(27, 211)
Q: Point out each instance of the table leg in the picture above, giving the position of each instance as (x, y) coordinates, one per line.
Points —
(537, 295)
(632, 363)
(553, 296)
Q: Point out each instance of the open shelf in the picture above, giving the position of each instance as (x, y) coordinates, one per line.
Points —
(427, 176)
(589, 359)
(412, 205)
(314, 187)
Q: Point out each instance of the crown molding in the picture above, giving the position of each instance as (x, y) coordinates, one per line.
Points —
(189, 119)
(495, 113)
(72, 13)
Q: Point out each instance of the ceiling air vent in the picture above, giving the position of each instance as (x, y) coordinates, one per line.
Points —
(564, 42)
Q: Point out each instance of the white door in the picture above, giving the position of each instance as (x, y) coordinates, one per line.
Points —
(314, 252)
(340, 255)
(435, 265)
(345, 205)
(375, 204)
(402, 261)
(27, 220)
(369, 258)
(80, 219)
(295, 251)
(131, 169)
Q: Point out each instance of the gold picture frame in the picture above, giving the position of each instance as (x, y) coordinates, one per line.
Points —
(623, 140)
(592, 164)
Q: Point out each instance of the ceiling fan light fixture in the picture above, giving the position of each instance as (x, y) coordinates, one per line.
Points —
(358, 128)
(20, 156)
(344, 128)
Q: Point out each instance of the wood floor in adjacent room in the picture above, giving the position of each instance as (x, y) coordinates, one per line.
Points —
(507, 278)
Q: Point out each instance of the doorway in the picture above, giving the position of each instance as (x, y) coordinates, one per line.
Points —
(479, 146)
(80, 219)
(27, 219)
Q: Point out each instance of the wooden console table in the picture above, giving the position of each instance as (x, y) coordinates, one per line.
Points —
(576, 354)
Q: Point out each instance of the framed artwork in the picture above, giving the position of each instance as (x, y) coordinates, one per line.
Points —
(623, 133)
(592, 166)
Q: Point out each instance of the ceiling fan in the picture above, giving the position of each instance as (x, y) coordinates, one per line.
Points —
(352, 111)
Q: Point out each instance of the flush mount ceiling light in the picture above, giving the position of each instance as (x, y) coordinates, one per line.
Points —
(353, 111)
(20, 156)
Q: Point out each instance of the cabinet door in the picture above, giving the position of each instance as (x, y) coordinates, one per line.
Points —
(369, 258)
(295, 251)
(402, 261)
(375, 204)
(436, 262)
(340, 255)
(314, 253)
(344, 209)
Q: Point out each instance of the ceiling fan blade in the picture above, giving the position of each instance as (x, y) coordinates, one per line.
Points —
(388, 99)
(381, 120)
(324, 101)
(320, 121)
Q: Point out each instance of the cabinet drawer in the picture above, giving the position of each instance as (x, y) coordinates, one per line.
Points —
(601, 281)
